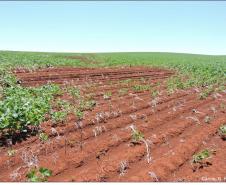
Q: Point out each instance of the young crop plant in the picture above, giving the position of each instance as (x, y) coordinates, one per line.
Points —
(74, 92)
(197, 158)
(154, 93)
(58, 117)
(138, 137)
(223, 107)
(175, 83)
(201, 159)
(90, 104)
(139, 88)
(222, 131)
(107, 95)
(86, 104)
(206, 92)
(38, 175)
(52, 89)
(43, 137)
(126, 82)
(79, 114)
(63, 105)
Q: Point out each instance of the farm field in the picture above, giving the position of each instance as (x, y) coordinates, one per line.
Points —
(112, 117)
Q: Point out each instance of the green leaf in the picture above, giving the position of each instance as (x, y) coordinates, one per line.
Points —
(45, 172)
(32, 177)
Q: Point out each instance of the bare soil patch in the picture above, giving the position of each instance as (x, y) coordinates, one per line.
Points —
(172, 129)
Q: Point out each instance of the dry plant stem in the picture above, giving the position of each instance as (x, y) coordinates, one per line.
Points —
(81, 134)
(194, 119)
(154, 176)
(146, 145)
(148, 150)
(81, 138)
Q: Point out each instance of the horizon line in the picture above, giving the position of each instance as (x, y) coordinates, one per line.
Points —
(99, 52)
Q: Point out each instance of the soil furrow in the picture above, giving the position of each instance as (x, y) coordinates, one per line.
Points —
(130, 154)
(166, 165)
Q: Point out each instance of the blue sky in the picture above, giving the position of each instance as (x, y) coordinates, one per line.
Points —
(190, 27)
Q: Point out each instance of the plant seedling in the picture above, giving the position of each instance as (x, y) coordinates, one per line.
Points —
(201, 159)
(139, 88)
(222, 131)
(175, 83)
(127, 81)
(223, 107)
(79, 114)
(154, 93)
(58, 117)
(197, 158)
(137, 136)
(63, 105)
(74, 92)
(43, 137)
(32, 177)
(90, 104)
(40, 175)
(107, 95)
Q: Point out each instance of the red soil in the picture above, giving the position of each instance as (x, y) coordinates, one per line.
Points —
(168, 124)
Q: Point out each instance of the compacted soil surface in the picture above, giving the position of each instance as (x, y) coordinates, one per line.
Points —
(101, 147)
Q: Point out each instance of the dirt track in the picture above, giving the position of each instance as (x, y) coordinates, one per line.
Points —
(172, 129)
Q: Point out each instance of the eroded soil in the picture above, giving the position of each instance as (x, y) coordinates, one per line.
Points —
(99, 148)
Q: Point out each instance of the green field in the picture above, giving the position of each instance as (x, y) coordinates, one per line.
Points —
(21, 107)
(201, 69)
